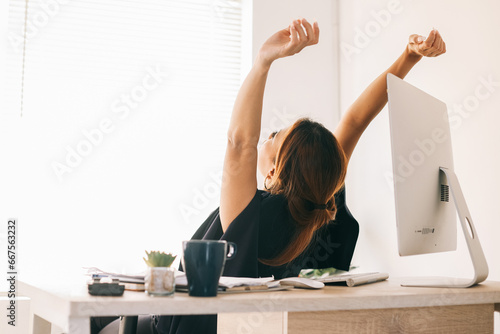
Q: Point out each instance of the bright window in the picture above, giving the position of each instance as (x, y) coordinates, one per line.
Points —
(125, 108)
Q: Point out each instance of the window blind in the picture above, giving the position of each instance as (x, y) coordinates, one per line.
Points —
(125, 108)
(110, 41)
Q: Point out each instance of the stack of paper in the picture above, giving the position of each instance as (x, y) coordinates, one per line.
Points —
(96, 272)
(235, 283)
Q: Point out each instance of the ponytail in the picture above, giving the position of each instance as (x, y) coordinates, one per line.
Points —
(310, 169)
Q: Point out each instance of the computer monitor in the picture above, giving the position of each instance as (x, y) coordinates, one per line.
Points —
(423, 177)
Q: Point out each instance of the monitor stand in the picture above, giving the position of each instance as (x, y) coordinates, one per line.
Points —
(475, 250)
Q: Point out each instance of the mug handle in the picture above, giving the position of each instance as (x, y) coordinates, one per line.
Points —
(232, 250)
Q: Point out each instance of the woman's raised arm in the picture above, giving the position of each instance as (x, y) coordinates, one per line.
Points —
(373, 99)
(239, 179)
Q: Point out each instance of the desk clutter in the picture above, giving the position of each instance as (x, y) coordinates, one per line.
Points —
(203, 264)
(231, 284)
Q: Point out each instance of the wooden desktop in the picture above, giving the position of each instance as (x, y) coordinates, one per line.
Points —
(383, 307)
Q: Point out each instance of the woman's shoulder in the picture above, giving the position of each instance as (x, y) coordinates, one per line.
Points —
(339, 196)
(267, 195)
(273, 203)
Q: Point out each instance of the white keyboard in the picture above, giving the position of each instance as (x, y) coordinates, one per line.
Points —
(343, 277)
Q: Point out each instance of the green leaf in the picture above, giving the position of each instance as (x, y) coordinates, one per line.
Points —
(159, 259)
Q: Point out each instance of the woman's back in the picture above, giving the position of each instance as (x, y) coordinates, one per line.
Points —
(265, 228)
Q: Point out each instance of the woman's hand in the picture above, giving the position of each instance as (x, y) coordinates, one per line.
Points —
(354, 122)
(289, 41)
(433, 46)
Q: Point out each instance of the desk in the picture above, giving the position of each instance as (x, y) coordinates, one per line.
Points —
(383, 307)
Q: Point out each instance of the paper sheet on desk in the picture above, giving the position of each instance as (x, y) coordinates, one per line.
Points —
(231, 282)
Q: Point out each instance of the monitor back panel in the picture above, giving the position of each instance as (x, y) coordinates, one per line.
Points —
(421, 144)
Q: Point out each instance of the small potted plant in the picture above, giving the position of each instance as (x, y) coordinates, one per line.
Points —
(160, 277)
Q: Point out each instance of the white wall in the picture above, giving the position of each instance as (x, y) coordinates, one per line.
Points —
(470, 31)
(305, 85)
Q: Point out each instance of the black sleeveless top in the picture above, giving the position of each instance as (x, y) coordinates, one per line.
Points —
(262, 231)
(265, 228)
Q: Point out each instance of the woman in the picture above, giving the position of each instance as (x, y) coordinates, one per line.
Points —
(300, 220)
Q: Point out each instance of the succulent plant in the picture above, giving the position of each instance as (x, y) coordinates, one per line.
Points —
(159, 259)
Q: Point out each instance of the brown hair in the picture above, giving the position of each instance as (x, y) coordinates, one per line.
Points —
(310, 169)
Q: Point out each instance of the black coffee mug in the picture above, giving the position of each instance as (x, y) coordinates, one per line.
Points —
(203, 262)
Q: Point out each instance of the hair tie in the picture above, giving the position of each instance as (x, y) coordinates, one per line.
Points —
(320, 206)
(313, 206)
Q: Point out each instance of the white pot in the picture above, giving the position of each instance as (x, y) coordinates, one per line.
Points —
(160, 281)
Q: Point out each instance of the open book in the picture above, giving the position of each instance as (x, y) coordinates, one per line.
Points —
(237, 284)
